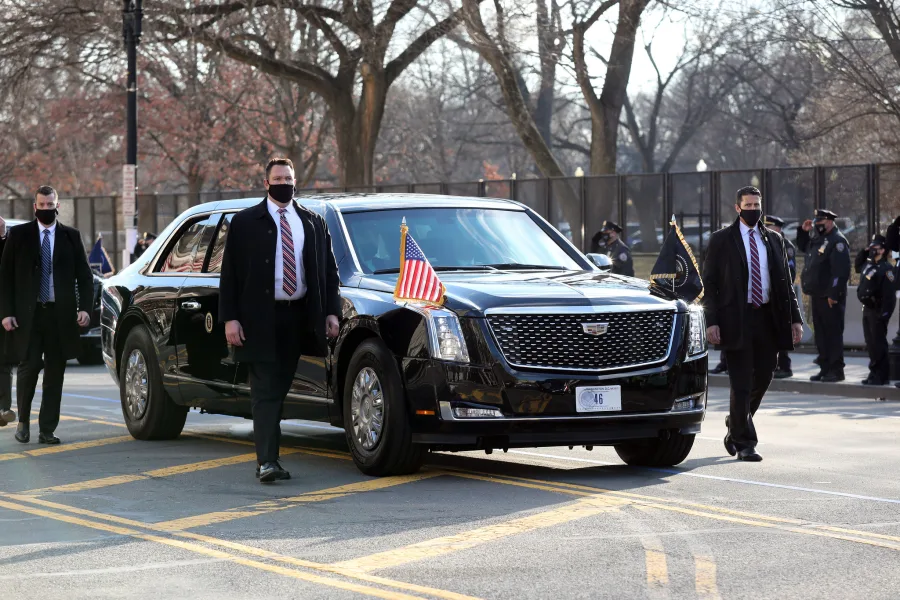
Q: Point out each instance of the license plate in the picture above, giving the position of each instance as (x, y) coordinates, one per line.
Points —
(598, 398)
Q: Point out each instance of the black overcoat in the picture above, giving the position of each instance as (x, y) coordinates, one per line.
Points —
(247, 282)
(725, 276)
(20, 282)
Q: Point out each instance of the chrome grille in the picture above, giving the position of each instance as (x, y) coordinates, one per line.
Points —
(559, 341)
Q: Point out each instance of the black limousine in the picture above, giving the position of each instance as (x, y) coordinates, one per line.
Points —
(536, 345)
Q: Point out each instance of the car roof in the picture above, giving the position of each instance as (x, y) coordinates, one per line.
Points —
(351, 202)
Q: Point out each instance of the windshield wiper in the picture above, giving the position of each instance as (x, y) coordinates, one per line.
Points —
(442, 268)
(520, 266)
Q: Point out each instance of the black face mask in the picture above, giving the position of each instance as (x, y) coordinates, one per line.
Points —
(873, 254)
(281, 192)
(821, 229)
(750, 216)
(46, 215)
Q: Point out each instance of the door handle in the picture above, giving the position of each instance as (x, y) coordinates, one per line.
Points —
(190, 305)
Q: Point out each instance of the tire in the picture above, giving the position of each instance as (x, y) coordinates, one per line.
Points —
(656, 452)
(391, 451)
(90, 355)
(149, 411)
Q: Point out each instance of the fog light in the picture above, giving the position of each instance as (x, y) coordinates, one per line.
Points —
(464, 412)
(684, 404)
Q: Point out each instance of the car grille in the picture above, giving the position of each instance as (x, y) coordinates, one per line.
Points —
(553, 341)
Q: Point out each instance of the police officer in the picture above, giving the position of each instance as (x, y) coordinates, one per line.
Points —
(824, 278)
(607, 240)
(876, 293)
(783, 370)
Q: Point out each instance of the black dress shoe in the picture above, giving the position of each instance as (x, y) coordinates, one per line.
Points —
(272, 471)
(783, 374)
(47, 438)
(720, 368)
(832, 378)
(873, 381)
(23, 433)
(817, 377)
(749, 455)
(730, 448)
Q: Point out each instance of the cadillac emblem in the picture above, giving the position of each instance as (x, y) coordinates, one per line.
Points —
(595, 328)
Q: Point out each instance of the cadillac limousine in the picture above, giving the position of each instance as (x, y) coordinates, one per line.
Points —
(536, 345)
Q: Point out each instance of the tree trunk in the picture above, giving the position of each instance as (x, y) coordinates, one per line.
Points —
(357, 128)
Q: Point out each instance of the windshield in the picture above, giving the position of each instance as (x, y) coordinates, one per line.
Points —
(455, 237)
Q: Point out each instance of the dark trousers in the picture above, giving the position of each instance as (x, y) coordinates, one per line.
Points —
(828, 325)
(784, 361)
(750, 370)
(5, 387)
(271, 381)
(875, 330)
(44, 353)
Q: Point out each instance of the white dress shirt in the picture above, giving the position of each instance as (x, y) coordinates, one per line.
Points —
(297, 235)
(52, 229)
(763, 263)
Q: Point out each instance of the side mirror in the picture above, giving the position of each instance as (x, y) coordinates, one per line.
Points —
(602, 261)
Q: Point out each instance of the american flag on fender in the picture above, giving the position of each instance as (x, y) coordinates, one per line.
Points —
(417, 280)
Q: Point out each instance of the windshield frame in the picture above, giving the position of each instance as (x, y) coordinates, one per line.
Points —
(561, 241)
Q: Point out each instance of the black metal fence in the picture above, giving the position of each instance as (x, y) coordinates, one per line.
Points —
(866, 198)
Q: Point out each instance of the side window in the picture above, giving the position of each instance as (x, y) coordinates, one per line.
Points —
(189, 251)
(218, 251)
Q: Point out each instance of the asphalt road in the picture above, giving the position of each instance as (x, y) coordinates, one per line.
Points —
(105, 516)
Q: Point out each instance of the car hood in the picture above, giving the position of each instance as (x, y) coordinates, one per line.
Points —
(477, 292)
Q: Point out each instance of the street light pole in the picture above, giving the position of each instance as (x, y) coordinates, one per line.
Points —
(132, 14)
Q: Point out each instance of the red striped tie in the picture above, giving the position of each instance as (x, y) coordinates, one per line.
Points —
(289, 284)
(756, 297)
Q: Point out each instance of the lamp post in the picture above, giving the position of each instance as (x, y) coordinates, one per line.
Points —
(132, 14)
(701, 168)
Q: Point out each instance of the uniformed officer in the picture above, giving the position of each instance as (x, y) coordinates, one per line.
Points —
(824, 278)
(783, 370)
(876, 293)
(607, 240)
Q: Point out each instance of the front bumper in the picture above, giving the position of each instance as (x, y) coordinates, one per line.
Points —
(539, 410)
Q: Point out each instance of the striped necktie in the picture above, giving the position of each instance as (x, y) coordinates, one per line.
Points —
(46, 267)
(756, 297)
(289, 282)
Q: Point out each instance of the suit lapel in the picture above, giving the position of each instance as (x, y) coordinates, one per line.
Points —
(309, 242)
(738, 239)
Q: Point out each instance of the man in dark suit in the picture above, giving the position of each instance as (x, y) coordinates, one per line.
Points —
(751, 313)
(6, 413)
(279, 298)
(43, 263)
(776, 224)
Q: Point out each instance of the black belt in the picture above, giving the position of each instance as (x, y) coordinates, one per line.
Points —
(296, 302)
(46, 304)
(750, 305)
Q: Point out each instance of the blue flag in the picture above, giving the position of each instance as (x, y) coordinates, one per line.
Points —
(98, 258)
(676, 269)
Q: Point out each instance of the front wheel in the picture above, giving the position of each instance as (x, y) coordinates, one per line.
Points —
(656, 452)
(376, 422)
(149, 411)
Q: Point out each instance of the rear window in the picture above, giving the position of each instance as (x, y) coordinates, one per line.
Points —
(188, 252)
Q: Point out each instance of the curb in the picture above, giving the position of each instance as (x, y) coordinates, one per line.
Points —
(847, 390)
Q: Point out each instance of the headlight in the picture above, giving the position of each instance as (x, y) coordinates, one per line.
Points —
(696, 331)
(444, 334)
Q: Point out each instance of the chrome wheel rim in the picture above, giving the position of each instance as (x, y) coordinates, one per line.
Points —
(367, 409)
(137, 385)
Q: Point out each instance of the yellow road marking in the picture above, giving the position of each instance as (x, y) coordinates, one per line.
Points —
(214, 541)
(468, 539)
(66, 447)
(270, 506)
(705, 578)
(699, 510)
(657, 572)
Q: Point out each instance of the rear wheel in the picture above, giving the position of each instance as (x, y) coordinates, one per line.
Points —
(656, 452)
(376, 422)
(149, 411)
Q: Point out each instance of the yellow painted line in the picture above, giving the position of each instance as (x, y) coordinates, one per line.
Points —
(98, 421)
(657, 571)
(447, 595)
(705, 578)
(81, 486)
(270, 506)
(700, 510)
(580, 509)
(10, 456)
(80, 445)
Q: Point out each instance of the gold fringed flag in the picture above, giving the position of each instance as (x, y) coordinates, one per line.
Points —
(417, 281)
(676, 268)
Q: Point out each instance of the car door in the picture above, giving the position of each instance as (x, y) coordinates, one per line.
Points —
(206, 367)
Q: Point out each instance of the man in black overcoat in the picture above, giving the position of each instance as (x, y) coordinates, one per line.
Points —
(46, 290)
(279, 298)
(751, 313)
